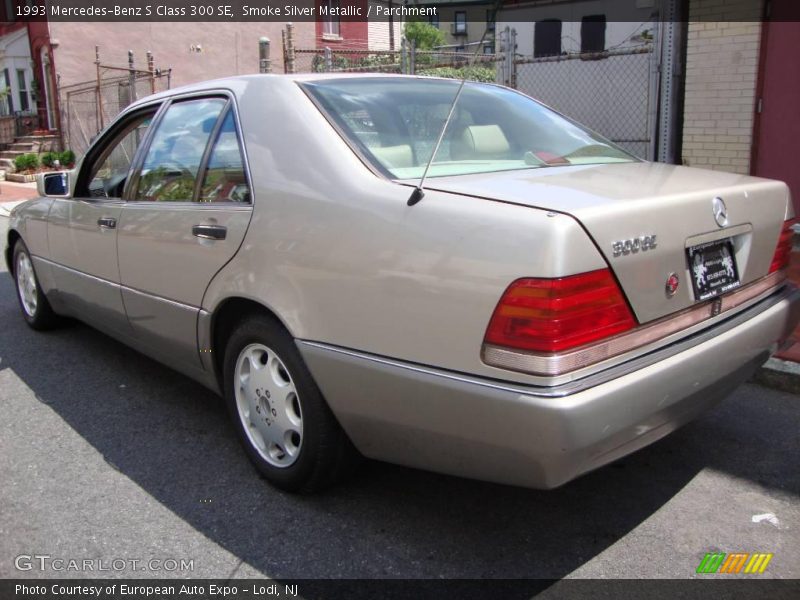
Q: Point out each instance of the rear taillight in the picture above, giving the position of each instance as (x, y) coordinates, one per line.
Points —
(784, 248)
(554, 315)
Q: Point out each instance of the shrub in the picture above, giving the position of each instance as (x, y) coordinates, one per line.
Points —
(482, 74)
(49, 158)
(375, 61)
(67, 158)
(338, 63)
(26, 162)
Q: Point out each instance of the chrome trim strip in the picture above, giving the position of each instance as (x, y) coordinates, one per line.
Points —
(160, 299)
(188, 205)
(77, 272)
(719, 234)
(120, 286)
(641, 338)
(574, 387)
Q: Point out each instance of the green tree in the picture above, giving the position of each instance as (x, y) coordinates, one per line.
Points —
(424, 34)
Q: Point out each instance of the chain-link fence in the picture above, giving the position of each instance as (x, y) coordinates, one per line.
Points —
(328, 60)
(609, 92)
(358, 57)
(87, 107)
(406, 60)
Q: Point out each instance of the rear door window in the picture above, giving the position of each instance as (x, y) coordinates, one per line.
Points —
(224, 179)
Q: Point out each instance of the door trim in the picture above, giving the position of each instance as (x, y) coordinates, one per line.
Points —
(126, 288)
(759, 92)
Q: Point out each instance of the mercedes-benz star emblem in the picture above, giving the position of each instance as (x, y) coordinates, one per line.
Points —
(720, 211)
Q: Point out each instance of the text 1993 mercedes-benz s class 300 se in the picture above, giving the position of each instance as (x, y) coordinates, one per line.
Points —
(545, 305)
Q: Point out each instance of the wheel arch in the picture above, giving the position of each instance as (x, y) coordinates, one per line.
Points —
(13, 236)
(224, 318)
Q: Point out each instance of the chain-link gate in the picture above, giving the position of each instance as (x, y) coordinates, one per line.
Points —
(610, 92)
(614, 92)
(87, 107)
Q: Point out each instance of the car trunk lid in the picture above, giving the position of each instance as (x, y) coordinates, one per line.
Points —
(622, 203)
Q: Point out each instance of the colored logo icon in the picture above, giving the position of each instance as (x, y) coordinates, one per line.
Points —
(736, 562)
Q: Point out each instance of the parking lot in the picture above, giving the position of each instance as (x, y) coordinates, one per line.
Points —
(105, 454)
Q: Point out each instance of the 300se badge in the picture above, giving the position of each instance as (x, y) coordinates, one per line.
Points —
(713, 268)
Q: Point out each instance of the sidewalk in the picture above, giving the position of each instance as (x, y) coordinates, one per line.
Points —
(16, 192)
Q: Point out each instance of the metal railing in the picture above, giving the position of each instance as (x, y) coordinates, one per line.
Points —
(87, 107)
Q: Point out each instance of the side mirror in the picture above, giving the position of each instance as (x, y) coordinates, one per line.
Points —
(54, 184)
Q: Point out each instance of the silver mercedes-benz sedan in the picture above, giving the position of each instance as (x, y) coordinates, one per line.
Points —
(545, 304)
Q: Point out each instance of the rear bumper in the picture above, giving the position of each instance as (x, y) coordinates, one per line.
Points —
(534, 436)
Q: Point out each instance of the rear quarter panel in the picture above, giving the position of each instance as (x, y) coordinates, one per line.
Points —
(337, 254)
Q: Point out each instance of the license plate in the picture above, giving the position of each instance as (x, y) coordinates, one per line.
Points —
(713, 268)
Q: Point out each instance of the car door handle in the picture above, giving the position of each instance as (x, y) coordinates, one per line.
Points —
(210, 232)
(107, 222)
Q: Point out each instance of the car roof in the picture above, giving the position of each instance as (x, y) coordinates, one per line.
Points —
(231, 83)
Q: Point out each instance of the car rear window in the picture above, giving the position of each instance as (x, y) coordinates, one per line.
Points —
(395, 122)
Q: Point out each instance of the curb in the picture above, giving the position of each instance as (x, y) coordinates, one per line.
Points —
(779, 374)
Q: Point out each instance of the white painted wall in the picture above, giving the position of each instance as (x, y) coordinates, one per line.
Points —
(15, 54)
(379, 29)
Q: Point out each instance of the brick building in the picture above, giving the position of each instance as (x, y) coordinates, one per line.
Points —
(742, 88)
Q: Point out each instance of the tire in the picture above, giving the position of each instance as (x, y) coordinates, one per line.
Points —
(284, 424)
(35, 308)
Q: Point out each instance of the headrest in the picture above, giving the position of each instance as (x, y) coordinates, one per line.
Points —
(397, 157)
(480, 141)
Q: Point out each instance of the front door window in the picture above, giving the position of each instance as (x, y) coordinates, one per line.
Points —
(170, 169)
(109, 172)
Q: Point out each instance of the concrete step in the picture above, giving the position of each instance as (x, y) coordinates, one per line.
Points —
(22, 146)
(11, 154)
(7, 165)
(37, 138)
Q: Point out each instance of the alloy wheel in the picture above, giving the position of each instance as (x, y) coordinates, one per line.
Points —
(268, 405)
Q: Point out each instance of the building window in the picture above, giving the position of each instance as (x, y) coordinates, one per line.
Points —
(24, 104)
(434, 20)
(490, 20)
(593, 33)
(6, 102)
(330, 23)
(547, 38)
(488, 49)
(460, 25)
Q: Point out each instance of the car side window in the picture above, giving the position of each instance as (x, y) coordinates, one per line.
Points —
(224, 179)
(110, 171)
(171, 166)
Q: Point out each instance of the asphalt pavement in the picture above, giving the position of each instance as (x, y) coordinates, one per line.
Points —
(107, 455)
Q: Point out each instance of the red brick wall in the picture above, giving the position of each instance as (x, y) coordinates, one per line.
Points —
(354, 33)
